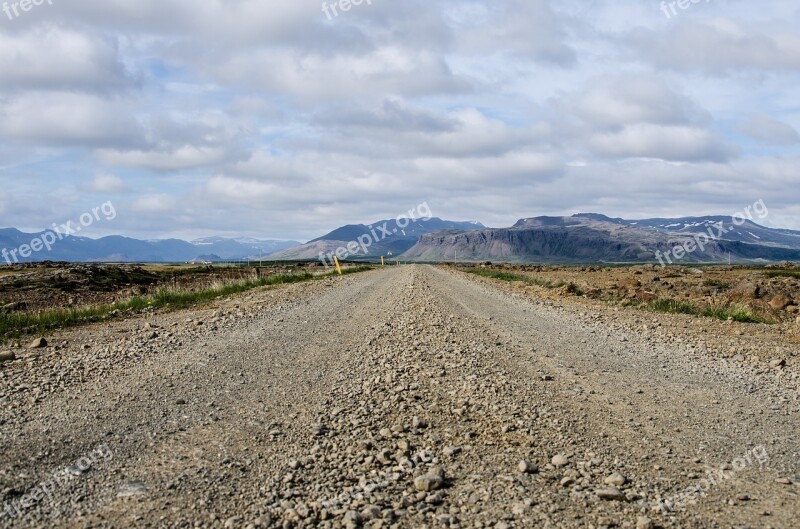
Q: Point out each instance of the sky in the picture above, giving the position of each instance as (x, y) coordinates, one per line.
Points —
(287, 118)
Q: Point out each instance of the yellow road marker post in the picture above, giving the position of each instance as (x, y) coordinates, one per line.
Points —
(338, 266)
(382, 263)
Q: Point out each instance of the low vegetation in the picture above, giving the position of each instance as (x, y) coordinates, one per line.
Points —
(28, 323)
(721, 312)
(713, 283)
(512, 277)
(782, 273)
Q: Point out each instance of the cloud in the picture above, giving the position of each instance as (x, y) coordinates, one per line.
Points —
(59, 58)
(392, 114)
(244, 21)
(526, 29)
(396, 129)
(638, 115)
(719, 47)
(67, 119)
(183, 157)
(769, 131)
(180, 141)
(619, 100)
(319, 77)
(157, 204)
(107, 183)
(670, 143)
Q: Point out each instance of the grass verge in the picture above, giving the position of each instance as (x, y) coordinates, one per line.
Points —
(782, 273)
(720, 312)
(22, 324)
(511, 277)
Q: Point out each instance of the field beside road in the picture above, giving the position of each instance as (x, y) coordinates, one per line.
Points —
(405, 397)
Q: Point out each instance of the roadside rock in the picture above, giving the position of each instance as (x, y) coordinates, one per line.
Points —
(745, 292)
(130, 489)
(433, 480)
(610, 494)
(780, 302)
(451, 451)
(38, 343)
(616, 480)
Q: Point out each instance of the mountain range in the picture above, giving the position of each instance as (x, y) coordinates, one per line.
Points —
(581, 238)
(591, 237)
(125, 249)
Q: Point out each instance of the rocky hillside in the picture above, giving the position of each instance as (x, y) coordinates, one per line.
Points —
(595, 238)
(384, 237)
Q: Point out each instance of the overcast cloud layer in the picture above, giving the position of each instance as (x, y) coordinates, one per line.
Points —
(266, 118)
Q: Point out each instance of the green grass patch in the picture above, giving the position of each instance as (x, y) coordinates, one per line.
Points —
(713, 283)
(512, 277)
(720, 312)
(354, 270)
(572, 288)
(22, 324)
(782, 273)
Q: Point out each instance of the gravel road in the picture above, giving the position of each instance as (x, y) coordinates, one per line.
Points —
(402, 397)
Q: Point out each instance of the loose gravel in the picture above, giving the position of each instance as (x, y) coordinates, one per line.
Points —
(403, 397)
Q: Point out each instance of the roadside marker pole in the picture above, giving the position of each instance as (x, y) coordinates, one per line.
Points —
(338, 266)
(382, 263)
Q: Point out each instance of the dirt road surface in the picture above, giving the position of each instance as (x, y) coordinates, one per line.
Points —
(401, 397)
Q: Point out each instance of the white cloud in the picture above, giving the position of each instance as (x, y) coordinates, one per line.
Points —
(322, 77)
(183, 157)
(66, 118)
(626, 99)
(721, 46)
(671, 143)
(529, 30)
(59, 58)
(107, 183)
(158, 204)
